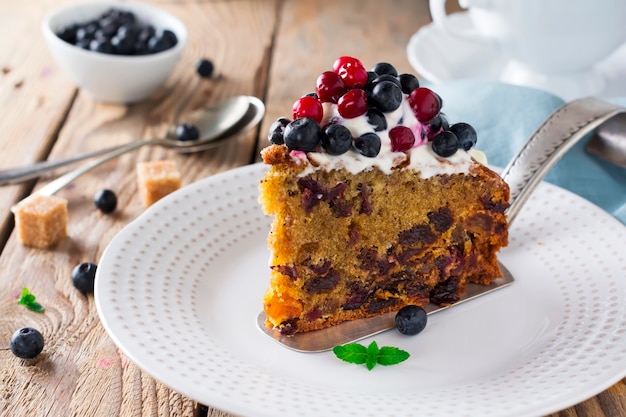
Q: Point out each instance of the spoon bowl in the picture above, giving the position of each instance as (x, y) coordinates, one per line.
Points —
(215, 124)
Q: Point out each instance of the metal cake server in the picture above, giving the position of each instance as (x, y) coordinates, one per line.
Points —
(557, 134)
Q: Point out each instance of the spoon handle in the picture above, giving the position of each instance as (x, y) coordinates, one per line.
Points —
(62, 181)
(557, 134)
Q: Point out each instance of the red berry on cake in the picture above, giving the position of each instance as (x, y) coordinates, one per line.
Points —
(402, 139)
(329, 87)
(352, 104)
(308, 106)
(353, 76)
(346, 60)
(425, 104)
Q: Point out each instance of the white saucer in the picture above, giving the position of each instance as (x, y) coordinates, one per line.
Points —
(438, 56)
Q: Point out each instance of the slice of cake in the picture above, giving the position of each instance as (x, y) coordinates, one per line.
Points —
(378, 202)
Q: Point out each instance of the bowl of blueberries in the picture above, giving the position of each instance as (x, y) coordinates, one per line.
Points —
(119, 52)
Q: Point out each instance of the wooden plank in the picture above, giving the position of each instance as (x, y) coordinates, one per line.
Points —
(81, 372)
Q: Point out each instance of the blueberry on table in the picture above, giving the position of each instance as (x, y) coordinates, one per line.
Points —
(105, 200)
(411, 320)
(204, 68)
(26, 343)
(84, 276)
(187, 131)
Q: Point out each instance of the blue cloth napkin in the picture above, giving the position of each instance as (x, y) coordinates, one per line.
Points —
(506, 115)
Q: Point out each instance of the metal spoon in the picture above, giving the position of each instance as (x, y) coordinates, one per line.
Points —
(557, 134)
(252, 116)
(211, 121)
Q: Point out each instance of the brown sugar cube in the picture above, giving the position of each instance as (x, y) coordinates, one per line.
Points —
(156, 180)
(41, 221)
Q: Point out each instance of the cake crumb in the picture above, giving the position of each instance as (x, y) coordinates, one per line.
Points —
(41, 221)
(156, 179)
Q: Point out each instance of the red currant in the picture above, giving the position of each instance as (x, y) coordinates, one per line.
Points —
(352, 104)
(425, 104)
(402, 139)
(329, 87)
(342, 60)
(308, 106)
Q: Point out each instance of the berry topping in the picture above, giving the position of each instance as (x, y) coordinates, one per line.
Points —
(329, 87)
(425, 104)
(354, 76)
(84, 276)
(308, 106)
(26, 343)
(368, 144)
(346, 60)
(408, 82)
(445, 144)
(377, 119)
(385, 77)
(411, 320)
(352, 104)
(204, 68)
(187, 131)
(402, 139)
(387, 96)
(385, 68)
(105, 201)
(303, 134)
(466, 135)
(277, 130)
(337, 139)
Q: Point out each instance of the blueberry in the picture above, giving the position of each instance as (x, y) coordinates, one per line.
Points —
(186, 132)
(376, 118)
(337, 139)
(68, 33)
(385, 68)
(84, 276)
(162, 41)
(302, 134)
(387, 96)
(312, 94)
(385, 77)
(123, 44)
(146, 33)
(368, 144)
(445, 144)
(411, 320)
(105, 200)
(408, 82)
(277, 131)
(101, 45)
(466, 135)
(438, 123)
(26, 343)
(204, 68)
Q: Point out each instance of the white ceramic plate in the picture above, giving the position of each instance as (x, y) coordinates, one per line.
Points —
(179, 290)
(438, 56)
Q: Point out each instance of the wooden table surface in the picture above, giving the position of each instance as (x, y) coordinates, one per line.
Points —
(273, 49)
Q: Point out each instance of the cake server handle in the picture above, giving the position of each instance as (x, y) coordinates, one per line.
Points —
(553, 138)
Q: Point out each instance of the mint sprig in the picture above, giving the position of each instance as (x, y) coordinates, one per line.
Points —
(371, 355)
(28, 300)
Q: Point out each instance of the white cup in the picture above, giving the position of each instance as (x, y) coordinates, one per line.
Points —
(551, 37)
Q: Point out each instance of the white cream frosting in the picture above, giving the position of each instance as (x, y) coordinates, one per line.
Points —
(421, 157)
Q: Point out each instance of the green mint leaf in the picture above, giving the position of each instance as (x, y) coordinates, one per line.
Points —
(28, 300)
(389, 355)
(352, 353)
(372, 356)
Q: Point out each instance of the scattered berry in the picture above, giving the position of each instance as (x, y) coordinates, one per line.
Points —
(277, 130)
(377, 119)
(425, 104)
(303, 134)
(385, 68)
(402, 139)
(408, 83)
(368, 144)
(387, 96)
(411, 320)
(329, 87)
(352, 104)
(337, 139)
(445, 144)
(187, 132)
(84, 276)
(308, 106)
(26, 343)
(105, 201)
(466, 135)
(204, 68)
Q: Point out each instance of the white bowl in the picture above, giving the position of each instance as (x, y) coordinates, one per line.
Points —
(107, 77)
